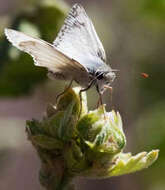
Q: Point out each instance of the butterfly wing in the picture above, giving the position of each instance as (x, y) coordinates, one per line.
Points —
(78, 39)
(45, 55)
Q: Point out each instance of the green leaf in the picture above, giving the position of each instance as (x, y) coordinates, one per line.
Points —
(125, 163)
(46, 142)
(75, 159)
(67, 98)
(89, 126)
(67, 123)
(60, 124)
(34, 127)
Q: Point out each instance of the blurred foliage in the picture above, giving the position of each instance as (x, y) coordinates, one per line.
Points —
(152, 88)
(153, 15)
(143, 22)
(151, 133)
(154, 8)
(18, 75)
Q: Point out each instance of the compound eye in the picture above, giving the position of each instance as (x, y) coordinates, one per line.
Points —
(100, 76)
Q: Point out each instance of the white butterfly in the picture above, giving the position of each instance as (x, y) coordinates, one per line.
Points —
(76, 54)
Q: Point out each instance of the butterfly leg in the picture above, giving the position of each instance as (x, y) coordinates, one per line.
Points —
(111, 91)
(66, 89)
(83, 90)
(100, 101)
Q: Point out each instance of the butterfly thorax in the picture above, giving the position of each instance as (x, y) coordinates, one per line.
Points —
(99, 74)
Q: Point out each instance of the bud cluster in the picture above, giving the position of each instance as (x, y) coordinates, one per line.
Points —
(90, 145)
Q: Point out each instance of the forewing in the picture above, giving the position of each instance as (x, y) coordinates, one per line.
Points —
(77, 38)
(44, 54)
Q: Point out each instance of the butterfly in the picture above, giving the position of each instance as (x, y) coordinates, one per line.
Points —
(76, 54)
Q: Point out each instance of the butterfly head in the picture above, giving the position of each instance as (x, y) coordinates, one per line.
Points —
(105, 80)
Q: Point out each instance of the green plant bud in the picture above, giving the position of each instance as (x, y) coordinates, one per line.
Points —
(73, 95)
(61, 120)
(46, 142)
(75, 158)
(102, 131)
(88, 144)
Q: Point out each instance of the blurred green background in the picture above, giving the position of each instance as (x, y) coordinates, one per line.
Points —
(132, 33)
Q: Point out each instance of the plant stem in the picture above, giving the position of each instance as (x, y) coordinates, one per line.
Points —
(54, 176)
